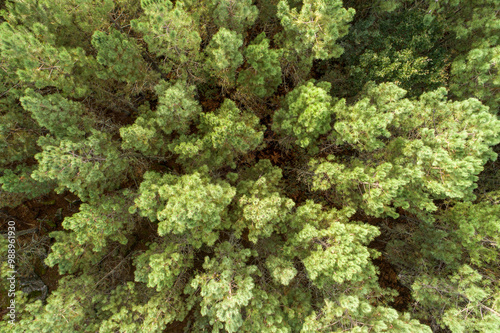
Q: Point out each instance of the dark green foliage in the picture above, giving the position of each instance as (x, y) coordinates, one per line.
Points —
(234, 15)
(18, 134)
(62, 117)
(40, 63)
(19, 181)
(224, 56)
(264, 75)
(399, 48)
(120, 55)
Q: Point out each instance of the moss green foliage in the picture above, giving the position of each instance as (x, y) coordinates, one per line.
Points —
(233, 15)
(62, 117)
(399, 48)
(253, 166)
(224, 135)
(87, 168)
(224, 56)
(264, 75)
(120, 55)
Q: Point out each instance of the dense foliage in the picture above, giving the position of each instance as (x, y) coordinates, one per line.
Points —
(245, 166)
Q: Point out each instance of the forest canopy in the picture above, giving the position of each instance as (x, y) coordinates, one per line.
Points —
(251, 166)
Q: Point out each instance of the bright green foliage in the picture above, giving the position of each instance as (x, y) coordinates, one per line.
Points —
(190, 205)
(262, 209)
(306, 113)
(315, 27)
(92, 231)
(437, 154)
(177, 107)
(332, 249)
(98, 224)
(480, 69)
(454, 137)
(265, 313)
(223, 189)
(281, 270)
(364, 122)
(225, 287)
(474, 227)
(224, 56)
(143, 135)
(312, 30)
(170, 32)
(70, 256)
(120, 55)
(373, 189)
(233, 15)
(86, 168)
(264, 75)
(62, 117)
(224, 135)
(354, 315)
(463, 300)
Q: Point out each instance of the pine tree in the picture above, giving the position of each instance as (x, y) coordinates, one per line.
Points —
(435, 155)
(62, 117)
(224, 135)
(459, 249)
(41, 63)
(306, 113)
(68, 23)
(170, 32)
(86, 168)
(261, 208)
(475, 68)
(312, 30)
(264, 75)
(225, 287)
(177, 107)
(254, 166)
(233, 15)
(188, 205)
(120, 55)
(224, 56)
